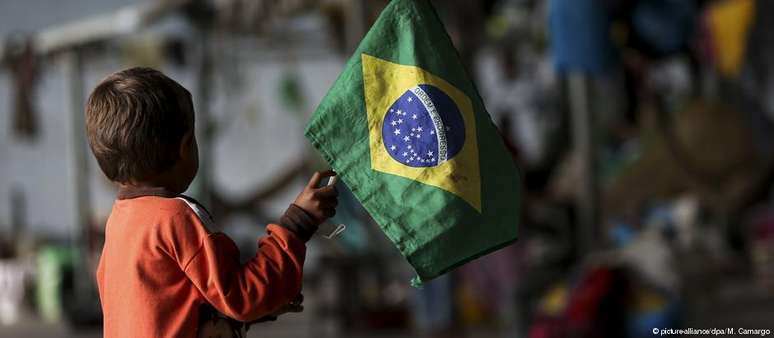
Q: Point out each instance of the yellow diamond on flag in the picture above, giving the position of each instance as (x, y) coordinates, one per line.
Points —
(421, 128)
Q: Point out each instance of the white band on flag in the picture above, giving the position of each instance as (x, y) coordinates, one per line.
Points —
(440, 130)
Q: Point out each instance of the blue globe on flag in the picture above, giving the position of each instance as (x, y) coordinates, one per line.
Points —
(423, 127)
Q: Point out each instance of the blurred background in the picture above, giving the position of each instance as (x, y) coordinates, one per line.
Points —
(642, 130)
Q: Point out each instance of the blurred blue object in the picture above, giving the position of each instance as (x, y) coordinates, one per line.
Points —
(622, 233)
(665, 26)
(580, 36)
(433, 305)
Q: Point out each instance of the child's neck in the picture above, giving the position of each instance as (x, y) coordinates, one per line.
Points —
(158, 182)
(132, 191)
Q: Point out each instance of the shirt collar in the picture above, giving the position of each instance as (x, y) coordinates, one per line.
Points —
(125, 193)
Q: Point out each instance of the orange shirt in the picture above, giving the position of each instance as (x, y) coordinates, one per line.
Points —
(160, 263)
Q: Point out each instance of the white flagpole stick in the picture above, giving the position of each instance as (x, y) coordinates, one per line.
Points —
(327, 229)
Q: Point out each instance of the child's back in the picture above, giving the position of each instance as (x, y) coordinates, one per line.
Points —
(160, 262)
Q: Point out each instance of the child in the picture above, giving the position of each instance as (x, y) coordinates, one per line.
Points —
(160, 262)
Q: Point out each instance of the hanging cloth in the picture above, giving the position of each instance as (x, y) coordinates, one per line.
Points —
(24, 71)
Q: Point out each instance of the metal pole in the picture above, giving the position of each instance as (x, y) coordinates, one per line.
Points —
(74, 74)
(587, 199)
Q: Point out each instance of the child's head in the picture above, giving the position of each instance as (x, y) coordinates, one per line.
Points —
(140, 126)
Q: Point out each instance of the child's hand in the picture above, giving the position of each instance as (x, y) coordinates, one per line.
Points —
(320, 203)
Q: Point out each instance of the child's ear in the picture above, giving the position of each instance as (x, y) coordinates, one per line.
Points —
(186, 143)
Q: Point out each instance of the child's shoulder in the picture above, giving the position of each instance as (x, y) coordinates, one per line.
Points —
(164, 210)
(181, 217)
(190, 205)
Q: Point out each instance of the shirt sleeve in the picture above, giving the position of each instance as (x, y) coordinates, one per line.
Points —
(247, 291)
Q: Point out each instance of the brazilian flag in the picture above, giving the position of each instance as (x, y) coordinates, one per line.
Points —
(407, 132)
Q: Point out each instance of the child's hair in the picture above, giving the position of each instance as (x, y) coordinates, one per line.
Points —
(135, 121)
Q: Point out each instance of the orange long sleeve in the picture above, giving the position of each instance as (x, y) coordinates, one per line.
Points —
(247, 292)
(160, 263)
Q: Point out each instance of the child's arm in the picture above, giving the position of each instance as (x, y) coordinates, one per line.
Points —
(273, 277)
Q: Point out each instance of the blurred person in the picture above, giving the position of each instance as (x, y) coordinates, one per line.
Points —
(162, 270)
